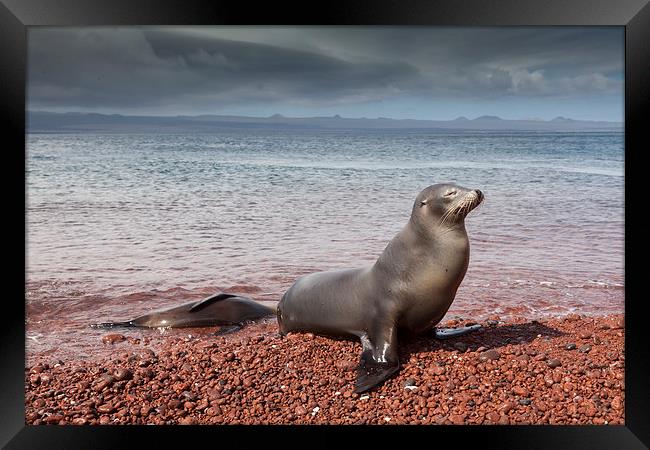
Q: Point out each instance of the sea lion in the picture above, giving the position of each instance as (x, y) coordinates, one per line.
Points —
(218, 309)
(410, 286)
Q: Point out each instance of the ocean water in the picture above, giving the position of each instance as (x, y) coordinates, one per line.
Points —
(118, 225)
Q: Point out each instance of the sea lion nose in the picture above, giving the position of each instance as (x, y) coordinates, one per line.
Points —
(479, 193)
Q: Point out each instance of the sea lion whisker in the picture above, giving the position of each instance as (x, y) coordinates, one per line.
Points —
(460, 209)
(451, 212)
(444, 217)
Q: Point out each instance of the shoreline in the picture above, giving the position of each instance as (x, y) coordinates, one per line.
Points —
(564, 370)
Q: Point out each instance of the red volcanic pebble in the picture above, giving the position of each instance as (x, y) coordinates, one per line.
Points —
(509, 372)
(113, 338)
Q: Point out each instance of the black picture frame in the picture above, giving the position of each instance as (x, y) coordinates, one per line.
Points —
(17, 15)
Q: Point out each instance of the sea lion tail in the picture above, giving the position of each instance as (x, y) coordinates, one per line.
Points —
(112, 324)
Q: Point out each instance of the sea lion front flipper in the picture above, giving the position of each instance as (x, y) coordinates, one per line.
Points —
(209, 300)
(379, 359)
(446, 333)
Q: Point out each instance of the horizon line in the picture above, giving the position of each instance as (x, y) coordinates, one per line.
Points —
(335, 116)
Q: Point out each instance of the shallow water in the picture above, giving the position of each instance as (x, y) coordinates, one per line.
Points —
(121, 224)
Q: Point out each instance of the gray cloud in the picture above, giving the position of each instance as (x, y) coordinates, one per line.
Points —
(181, 67)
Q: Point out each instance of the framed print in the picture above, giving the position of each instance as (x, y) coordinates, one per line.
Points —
(239, 219)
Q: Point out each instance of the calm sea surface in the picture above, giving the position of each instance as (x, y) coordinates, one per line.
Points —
(121, 224)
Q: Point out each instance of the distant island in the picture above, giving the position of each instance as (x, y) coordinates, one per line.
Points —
(74, 122)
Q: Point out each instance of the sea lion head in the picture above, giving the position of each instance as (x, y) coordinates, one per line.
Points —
(444, 205)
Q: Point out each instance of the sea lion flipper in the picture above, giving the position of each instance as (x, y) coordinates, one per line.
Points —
(446, 333)
(370, 373)
(379, 360)
(209, 300)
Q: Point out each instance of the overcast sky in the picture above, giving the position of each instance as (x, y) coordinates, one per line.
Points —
(398, 72)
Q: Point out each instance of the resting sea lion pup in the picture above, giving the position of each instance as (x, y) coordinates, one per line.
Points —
(411, 286)
(219, 309)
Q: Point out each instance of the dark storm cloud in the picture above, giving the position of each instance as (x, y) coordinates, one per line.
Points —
(157, 67)
(176, 67)
(228, 65)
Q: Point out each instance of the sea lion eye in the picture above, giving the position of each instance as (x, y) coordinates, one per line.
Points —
(422, 203)
(450, 193)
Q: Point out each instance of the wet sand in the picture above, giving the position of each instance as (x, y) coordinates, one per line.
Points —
(567, 370)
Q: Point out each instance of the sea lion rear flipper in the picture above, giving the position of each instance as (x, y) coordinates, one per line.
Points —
(446, 333)
(379, 359)
(209, 300)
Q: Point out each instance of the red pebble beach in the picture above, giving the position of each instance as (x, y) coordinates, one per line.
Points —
(566, 370)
